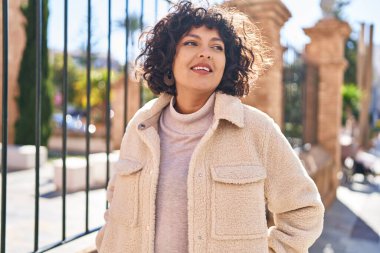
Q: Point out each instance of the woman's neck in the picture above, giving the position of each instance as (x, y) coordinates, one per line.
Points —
(189, 103)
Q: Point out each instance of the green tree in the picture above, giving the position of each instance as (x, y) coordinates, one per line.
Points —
(339, 9)
(350, 92)
(73, 74)
(350, 53)
(98, 92)
(133, 25)
(351, 98)
(25, 124)
(351, 46)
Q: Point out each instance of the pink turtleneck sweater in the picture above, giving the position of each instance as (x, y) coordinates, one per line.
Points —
(179, 135)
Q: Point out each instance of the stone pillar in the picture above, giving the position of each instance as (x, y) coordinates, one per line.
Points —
(16, 45)
(326, 51)
(118, 107)
(269, 16)
(365, 79)
(310, 100)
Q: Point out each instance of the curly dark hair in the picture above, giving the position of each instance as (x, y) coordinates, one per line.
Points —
(246, 54)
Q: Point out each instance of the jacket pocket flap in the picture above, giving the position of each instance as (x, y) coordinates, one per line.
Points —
(240, 174)
(127, 166)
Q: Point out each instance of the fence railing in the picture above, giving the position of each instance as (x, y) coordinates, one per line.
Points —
(294, 104)
(4, 152)
(5, 82)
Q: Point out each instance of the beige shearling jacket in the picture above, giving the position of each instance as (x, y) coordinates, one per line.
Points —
(241, 164)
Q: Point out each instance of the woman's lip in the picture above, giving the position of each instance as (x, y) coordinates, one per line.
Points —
(201, 71)
(205, 65)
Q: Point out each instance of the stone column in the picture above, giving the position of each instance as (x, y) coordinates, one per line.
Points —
(16, 45)
(117, 102)
(326, 51)
(269, 16)
(365, 78)
(310, 100)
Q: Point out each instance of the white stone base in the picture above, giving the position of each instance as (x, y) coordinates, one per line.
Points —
(76, 171)
(23, 157)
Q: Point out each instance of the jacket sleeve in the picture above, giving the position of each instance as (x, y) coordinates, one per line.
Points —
(111, 186)
(292, 197)
(100, 235)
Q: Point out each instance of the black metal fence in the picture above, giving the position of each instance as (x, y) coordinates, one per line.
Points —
(294, 99)
(4, 168)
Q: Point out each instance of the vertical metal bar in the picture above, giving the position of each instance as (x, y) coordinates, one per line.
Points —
(361, 57)
(142, 15)
(64, 139)
(38, 117)
(88, 108)
(108, 105)
(141, 28)
(155, 10)
(284, 78)
(366, 92)
(126, 76)
(4, 169)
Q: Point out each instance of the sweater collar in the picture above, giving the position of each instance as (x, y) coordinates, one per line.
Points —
(227, 107)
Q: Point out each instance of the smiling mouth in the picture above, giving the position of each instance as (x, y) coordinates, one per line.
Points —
(201, 69)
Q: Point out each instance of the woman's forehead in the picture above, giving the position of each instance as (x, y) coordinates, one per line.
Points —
(198, 32)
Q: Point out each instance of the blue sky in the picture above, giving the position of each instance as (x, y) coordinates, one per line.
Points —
(305, 13)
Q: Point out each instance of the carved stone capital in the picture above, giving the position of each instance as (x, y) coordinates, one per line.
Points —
(259, 10)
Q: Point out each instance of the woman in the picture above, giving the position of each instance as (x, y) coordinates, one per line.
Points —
(197, 167)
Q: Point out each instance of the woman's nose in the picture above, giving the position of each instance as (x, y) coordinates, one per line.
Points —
(205, 53)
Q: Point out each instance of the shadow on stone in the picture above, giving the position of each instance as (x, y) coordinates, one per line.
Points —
(362, 231)
(363, 185)
(341, 225)
(55, 194)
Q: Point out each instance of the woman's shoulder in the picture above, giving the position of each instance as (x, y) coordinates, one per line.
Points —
(257, 118)
(150, 108)
(261, 123)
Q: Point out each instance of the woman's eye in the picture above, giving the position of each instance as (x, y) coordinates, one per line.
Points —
(190, 43)
(218, 48)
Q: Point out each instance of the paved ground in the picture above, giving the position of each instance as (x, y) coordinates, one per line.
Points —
(352, 223)
(20, 211)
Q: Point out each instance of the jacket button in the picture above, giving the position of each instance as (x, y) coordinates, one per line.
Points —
(199, 174)
(141, 126)
(199, 237)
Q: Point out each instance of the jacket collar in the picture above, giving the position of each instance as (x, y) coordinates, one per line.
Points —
(227, 107)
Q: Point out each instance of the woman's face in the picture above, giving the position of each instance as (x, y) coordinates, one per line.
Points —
(199, 62)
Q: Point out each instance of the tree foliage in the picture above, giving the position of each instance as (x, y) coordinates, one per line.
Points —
(26, 100)
(351, 98)
(98, 91)
(350, 53)
(351, 46)
(56, 74)
(133, 24)
(339, 8)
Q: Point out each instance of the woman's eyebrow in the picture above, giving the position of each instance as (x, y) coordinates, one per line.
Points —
(198, 37)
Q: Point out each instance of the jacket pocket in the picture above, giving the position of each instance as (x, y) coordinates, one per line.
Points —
(238, 202)
(125, 202)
